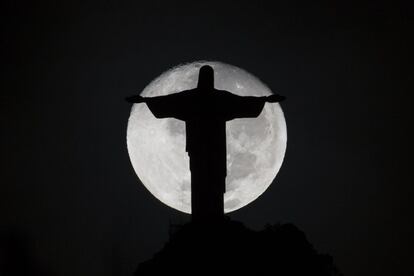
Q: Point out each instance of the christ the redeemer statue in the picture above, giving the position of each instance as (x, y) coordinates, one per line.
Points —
(205, 111)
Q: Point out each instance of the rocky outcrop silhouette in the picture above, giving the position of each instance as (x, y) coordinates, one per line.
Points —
(229, 247)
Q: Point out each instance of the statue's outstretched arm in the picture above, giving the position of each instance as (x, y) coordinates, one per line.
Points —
(140, 99)
(166, 106)
(275, 98)
(135, 99)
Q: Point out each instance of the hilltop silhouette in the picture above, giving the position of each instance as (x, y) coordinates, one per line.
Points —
(230, 247)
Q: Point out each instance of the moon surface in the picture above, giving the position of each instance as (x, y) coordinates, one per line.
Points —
(255, 146)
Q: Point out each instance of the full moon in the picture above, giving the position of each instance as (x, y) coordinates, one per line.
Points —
(255, 146)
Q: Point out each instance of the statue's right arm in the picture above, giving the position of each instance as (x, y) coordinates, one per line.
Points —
(165, 106)
(140, 99)
(136, 99)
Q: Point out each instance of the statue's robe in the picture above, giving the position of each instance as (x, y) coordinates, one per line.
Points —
(205, 114)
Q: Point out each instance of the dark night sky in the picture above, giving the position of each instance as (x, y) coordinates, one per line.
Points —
(69, 193)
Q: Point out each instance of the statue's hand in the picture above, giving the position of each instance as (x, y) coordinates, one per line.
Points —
(275, 98)
(135, 99)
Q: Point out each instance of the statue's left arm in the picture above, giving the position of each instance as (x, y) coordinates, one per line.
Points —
(248, 106)
(275, 98)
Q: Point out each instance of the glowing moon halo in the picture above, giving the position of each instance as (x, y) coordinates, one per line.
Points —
(255, 146)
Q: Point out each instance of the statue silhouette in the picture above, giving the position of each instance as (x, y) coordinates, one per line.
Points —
(205, 111)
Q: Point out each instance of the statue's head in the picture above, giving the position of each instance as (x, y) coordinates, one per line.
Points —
(206, 77)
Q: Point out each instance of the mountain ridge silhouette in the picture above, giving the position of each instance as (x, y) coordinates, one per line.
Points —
(230, 247)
